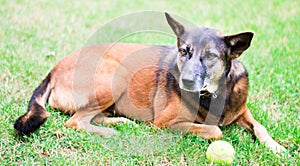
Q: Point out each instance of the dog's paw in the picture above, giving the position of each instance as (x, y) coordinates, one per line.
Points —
(108, 132)
(216, 133)
(125, 120)
(275, 147)
(213, 132)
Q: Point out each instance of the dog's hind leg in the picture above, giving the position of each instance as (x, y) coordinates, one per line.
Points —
(101, 119)
(82, 120)
(248, 122)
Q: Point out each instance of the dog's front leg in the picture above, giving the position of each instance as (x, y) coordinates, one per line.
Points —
(203, 130)
(248, 122)
(174, 114)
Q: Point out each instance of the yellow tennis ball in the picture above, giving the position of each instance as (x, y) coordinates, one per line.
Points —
(220, 152)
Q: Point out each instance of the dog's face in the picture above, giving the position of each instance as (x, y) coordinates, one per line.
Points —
(204, 55)
(201, 60)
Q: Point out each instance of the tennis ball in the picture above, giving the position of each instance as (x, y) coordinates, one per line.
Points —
(220, 152)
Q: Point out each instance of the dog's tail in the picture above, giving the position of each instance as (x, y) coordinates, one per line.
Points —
(36, 113)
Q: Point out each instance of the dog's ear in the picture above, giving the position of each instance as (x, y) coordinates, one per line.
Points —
(176, 26)
(238, 43)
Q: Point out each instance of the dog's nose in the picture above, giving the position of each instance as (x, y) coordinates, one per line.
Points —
(188, 80)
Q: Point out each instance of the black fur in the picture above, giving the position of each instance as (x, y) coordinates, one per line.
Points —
(228, 67)
(26, 125)
(205, 101)
(35, 115)
(172, 84)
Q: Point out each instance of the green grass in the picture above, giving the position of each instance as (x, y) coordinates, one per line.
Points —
(34, 36)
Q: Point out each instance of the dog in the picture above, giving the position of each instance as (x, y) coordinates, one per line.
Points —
(193, 87)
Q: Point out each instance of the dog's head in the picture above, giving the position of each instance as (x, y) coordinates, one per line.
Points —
(205, 54)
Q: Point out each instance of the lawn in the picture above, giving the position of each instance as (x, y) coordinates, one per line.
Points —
(35, 35)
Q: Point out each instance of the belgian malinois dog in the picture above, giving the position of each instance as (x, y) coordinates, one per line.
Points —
(193, 87)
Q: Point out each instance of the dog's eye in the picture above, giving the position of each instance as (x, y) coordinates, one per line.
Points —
(183, 52)
(211, 56)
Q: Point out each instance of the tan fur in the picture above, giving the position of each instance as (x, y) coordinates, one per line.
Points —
(90, 80)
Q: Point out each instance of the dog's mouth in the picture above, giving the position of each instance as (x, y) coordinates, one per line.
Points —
(204, 93)
(203, 90)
